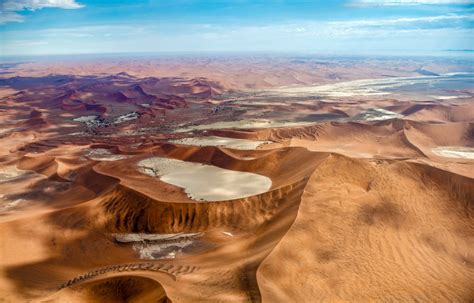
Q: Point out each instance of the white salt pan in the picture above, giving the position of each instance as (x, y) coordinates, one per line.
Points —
(244, 124)
(102, 154)
(458, 152)
(376, 114)
(221, 141)
(206, 182)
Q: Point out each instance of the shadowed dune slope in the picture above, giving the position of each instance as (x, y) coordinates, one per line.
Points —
(365, 198)
(86, 262)
(124, 289)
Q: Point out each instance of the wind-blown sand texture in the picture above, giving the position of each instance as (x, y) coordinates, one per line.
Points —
(362, 198)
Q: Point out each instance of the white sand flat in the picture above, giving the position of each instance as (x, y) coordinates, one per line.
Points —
(376, 114)
(206, 182)
(362, 87)
(158, 246)
(126, 117)
(458, 152)
(234, 143)
(102, 154)
(9, 173)
(140, 237)
(244, 124)
(85, 119)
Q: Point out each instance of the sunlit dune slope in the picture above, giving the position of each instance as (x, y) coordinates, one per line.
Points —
(376, 231)
(144, 187)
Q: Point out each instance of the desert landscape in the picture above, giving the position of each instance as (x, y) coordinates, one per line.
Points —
(234, 151)
(287, 179)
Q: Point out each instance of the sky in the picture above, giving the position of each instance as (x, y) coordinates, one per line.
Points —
(382, 27)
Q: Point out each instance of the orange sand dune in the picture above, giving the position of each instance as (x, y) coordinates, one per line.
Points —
(357, 199)
(364, 240)
(349, 222)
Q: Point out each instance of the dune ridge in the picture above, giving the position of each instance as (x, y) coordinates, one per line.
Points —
(361, 202)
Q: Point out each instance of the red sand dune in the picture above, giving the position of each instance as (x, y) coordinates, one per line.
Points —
(357, 211)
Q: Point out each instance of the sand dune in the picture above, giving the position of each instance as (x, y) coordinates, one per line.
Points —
(259, 193)
(367, 243)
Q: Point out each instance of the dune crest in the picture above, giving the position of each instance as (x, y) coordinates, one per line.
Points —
(283, 179)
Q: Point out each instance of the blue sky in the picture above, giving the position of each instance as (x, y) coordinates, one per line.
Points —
(44, 27)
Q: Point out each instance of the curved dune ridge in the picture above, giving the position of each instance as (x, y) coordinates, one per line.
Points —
(205, 182)
(115, 289)
(355, 200)
(157, 249)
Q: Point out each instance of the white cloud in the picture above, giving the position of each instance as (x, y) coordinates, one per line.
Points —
(10, 17)
(9, 8)
(202, 37)
(408, 2)
(375, 27)
(407, 20)
(18, 5)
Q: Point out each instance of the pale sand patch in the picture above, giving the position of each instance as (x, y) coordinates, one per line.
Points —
(90, 121)
(376, 114)
(458, 152)
(362, 87)
(9, 173)
(102, 154)
(449, 97)
(8, 204)
(160, 251)
(137, 237)
(85, 119)
(244, 124)
(158, 246)
(206, 182)
(126, 117)
(234, 143)
(341, 89)
(5, 131)
(261, 103)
